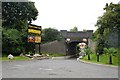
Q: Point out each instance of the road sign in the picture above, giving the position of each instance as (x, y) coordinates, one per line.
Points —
(34, 29)
(31, 38)
(37, 39)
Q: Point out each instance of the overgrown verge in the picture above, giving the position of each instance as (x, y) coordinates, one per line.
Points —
(103, 59)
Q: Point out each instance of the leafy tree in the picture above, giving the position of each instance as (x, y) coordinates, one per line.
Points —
(50, 34)
(11, 41)
(16, 14)
(111, 16)
(88, 52)
(75, 29)
(107, 23)
(15, 18)
(110, 52)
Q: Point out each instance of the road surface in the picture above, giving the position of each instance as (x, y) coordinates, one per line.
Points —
(48, 68)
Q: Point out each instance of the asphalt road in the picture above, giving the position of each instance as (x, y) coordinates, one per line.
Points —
(49, 68)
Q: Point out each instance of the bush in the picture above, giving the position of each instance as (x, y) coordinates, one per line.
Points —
(12, 42)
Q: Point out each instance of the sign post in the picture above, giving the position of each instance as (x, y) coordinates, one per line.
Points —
(34, 35)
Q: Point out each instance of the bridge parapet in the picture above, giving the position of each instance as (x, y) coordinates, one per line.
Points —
(77, 35)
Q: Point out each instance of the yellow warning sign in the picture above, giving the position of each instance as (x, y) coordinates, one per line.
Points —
(34, 31)
(37, 39)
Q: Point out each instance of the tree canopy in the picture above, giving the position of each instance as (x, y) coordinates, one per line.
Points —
(50, 34)
(75, 29)
(110, 19)
(107, 24)
(15, 14)
(15, 19)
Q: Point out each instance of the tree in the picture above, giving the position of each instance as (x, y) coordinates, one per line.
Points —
(11, 42)
(107, 24)
(88, 52)
(75, 29)
(110, 52)
(111, 21)
(111, 16)
(15, 18)
(50, 34)
(16, 14)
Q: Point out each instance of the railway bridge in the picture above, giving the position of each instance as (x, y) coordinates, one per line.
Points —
(68, 44)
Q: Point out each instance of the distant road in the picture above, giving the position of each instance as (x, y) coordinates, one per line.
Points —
(49, 68)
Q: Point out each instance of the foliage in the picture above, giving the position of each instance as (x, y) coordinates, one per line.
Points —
(103, 59)
(15, 18)
(75, 29)
(111, 17)
(107, 23)
(95, 36)
(16, 14)
(12, 41)
(110, 51)
(50, 34)
(100, 45)
(88, 51)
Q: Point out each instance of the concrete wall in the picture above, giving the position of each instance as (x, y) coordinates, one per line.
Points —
(54, 47)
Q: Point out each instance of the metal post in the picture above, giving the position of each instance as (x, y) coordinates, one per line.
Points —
(66, 49)
(34, 48)
(39, 49)
(34, 45)
(97, 57)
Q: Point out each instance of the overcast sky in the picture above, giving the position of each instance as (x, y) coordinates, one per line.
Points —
(66, 14)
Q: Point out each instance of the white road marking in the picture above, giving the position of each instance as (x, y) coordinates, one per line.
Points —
(45, 69)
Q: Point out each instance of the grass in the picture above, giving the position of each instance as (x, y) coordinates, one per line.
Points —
(103, 59)
(4, 58)
(15, 58)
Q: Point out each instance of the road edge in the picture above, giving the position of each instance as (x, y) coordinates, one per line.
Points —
(98, 64)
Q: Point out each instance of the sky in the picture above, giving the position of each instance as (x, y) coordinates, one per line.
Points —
(66, 14)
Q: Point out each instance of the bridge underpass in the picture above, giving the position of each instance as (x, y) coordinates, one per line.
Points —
(68, 44)
(72, 48)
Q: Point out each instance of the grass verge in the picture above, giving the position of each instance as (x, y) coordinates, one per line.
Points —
(26, 58)
(103, 59)
(15, 58)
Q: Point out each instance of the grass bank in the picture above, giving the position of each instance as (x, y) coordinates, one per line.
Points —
(103, 59)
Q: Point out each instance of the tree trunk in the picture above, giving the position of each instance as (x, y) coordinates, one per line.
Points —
(110, 59)
(88, 56)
